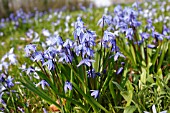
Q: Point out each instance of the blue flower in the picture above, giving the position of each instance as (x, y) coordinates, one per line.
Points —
(149, 24)
(12, 56)
(1, 100)
(92, 73)
(151, 46)
(122, 25)
(106, 19)
(117, 55)
(30, 48)
(144, 35)
(49, 64)
(51, 52)
(54, 40)
(114, 46)
(30, 70)
(130, 15)
(118, 10)
(78, 33)
(89, 38)
(9, 82)
(2, 77)
(44, 110)
(139, 42)
(166, 30)
(116, 21)
(79, 23)
(95, 93)
(129, 33)
(157, 35)
(68, 43)
(119, 70)
(108, 36)
(43, 83)
(64, 57)
(77, 48)
(38, 56)
(21, 110)
(86, 62)
(36, 38)
(67, 86)
(5, 65)
(79, 29)
(136, 23)
(135, 4)
(46, 32)
(90, 52)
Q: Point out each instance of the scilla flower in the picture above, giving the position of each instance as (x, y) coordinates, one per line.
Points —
(94, 93)
(67, 86)
(9, 82)
(86, 62)
(43, 83)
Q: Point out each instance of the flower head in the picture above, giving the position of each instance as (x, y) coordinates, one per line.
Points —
(106, 19)
(54, 40)
(92, 73)
(86, 62)
(94, 93)
(46, 32)
(119, 70)
(67, 86)
(2, 77)
(49, 64)
(117, 55)
(9, 82)
(1, 100)
(11, 56)
(43, 83)
(157, 35)
(144, 35)
(30, 48)
(151, 46)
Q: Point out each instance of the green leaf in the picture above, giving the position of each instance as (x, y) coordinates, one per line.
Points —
(129, 109)
(133, 53)
(127, 95)
(118, 86)
(90, 100)
(96, 63)
(143, 76)
(164, 50)
(105, 84)
(43, 76)
(40, 93)
(112, 90)
(46, 97)
(155, 57)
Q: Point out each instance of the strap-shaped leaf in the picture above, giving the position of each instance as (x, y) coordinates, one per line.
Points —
(28, 84)
(90, 100)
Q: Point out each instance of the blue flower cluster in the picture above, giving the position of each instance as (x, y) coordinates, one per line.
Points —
(6, 81)
(123, 22)
(59, 51)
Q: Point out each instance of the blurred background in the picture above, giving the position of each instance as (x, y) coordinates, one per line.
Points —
(9, 6)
